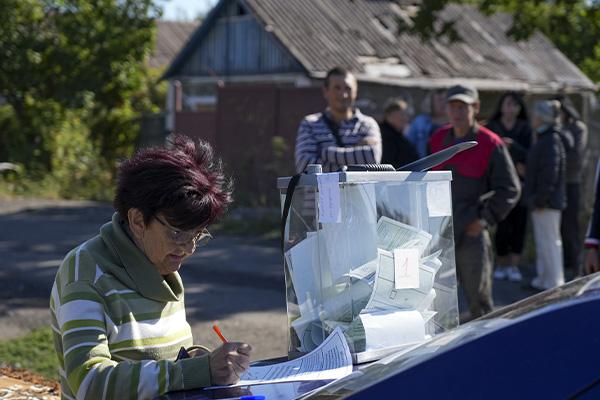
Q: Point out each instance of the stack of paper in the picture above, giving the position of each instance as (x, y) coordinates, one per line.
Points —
(331, 360)
(379, 299)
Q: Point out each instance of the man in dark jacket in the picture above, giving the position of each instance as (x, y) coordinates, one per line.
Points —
(397, 150)
(485, 187)
(592, 239)
(545, 194)
(576, 155)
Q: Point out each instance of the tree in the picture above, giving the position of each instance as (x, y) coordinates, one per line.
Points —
(60, 55)
(572, 25)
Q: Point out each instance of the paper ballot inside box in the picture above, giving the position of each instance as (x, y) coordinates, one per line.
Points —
(386, 328)
(385, 295)
(385, 266)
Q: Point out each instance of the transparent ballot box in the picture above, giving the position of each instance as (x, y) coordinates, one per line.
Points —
(372, 253)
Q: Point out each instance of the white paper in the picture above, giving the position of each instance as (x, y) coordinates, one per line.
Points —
(329, 198)
(439, 202)
(428, 315)
(309, 330)
(392, 234)
(427, 301)
(392, 328)
(331, 360)
(385, 295)
(344, 306)
(432, 261)
(406, 268)
(353, 242)
(364, 272)
(303, 259)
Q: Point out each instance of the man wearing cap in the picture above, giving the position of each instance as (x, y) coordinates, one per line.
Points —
(545, 193)
(485, 187)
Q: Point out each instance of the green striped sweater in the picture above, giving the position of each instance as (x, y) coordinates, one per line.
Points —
(118, 324)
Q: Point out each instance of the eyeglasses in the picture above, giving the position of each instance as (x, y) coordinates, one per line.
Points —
(182, 238)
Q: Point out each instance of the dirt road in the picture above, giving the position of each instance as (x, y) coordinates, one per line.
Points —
(235, 281)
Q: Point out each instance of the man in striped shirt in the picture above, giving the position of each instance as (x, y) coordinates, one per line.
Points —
(341, 135)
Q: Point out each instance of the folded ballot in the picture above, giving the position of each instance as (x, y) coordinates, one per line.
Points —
(380, 293)
(386, 296)
(383, 329)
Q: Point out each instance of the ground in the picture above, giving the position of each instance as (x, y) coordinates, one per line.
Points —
(22, 384)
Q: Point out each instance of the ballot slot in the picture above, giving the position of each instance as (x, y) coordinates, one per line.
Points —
(370, 253)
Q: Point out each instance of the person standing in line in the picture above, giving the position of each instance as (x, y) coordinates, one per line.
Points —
(397, 150)
(511, 123)
(433, 117)
(569, 228)
(341, 134)
(545, 194)
(485, 187)
(592, 239)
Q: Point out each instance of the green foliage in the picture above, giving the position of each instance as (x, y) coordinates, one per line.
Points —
(74, 77)
(63, 49)
(10, 139)
(76, 168)
(77, 164)
(572, 25)
(34, 352)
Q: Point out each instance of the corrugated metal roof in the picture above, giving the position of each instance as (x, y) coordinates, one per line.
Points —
(171, 36)
(357, 34)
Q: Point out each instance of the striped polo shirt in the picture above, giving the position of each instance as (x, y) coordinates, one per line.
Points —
(118, 324)
(316, 144)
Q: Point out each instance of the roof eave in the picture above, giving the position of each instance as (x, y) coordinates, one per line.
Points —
(481, 84)
(287, 46)
(196, 38)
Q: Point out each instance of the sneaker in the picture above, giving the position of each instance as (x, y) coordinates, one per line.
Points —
(514, 274)
(500, 273)
(536, 284)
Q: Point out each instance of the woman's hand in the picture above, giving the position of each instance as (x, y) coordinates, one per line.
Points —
(507, 141)
(521, 169)
(198, 352)
(475, 228)
(229, 362)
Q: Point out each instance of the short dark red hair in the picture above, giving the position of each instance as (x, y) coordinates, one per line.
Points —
(184, 182)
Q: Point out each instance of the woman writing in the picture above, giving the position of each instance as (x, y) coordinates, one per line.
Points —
(117, 303)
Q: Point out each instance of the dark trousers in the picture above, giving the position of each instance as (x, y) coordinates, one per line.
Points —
(510, 234)
(474, 270)
(569, 228)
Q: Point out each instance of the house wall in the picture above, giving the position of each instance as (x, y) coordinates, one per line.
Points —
(197, 125)
(238, 44)
(253, 129)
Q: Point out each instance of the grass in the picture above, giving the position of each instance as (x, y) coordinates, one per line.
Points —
(33, 352)
(52, 188)
(13, 188)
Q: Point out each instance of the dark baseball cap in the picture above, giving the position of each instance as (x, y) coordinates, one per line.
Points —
(465, 93)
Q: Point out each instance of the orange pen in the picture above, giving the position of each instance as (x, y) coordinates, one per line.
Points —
(218, 332)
